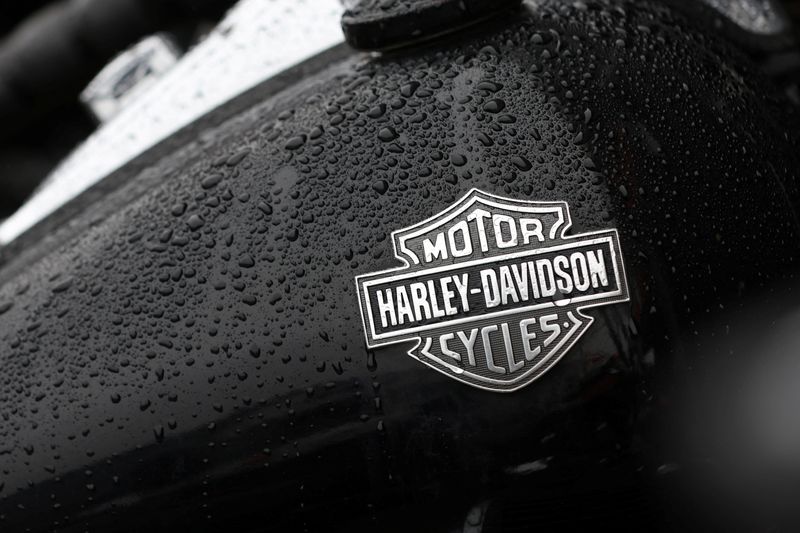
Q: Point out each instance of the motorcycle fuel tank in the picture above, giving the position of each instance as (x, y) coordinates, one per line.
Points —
(337, 308)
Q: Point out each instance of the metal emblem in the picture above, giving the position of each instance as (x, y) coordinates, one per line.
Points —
(492, 289)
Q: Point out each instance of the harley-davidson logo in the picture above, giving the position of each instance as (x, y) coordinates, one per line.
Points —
(492, 289)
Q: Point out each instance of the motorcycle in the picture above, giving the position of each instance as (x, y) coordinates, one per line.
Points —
(489, 267)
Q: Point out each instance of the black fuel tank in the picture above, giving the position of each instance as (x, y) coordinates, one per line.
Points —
(188, 353)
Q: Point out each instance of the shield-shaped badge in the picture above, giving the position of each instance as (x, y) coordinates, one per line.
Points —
(491, 290)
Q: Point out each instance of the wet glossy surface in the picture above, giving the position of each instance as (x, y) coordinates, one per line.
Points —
(195, 360)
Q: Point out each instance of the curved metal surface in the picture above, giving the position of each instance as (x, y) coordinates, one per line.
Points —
(195, 360)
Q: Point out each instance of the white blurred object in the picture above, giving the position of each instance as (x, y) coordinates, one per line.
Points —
(256, 40)
(764, 17)
(129, 75)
